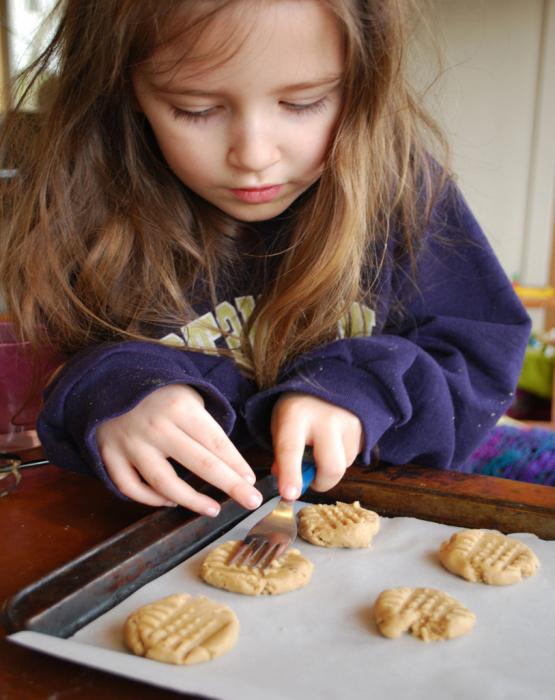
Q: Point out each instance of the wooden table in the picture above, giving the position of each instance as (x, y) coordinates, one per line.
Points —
(53, 516)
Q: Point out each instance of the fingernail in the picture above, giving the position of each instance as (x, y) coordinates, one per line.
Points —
(170, 504)
(212, 511)
(251, 478)
(254, 500)
(290, 493)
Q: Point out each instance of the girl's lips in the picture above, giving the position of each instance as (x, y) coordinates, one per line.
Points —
(257, 195)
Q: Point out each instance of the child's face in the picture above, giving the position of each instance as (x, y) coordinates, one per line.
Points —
(252, 134)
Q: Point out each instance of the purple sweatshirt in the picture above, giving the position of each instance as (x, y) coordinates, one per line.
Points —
(427, 383)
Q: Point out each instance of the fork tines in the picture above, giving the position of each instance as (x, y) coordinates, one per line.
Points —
(256, 551)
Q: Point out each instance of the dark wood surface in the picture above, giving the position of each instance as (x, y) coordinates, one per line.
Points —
(53, 516)
(452, 498)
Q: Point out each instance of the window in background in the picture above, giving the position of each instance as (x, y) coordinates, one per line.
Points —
(26, 34)
(22, 38)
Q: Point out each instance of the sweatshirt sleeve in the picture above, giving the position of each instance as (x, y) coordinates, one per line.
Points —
(440, 374)
(109, 380)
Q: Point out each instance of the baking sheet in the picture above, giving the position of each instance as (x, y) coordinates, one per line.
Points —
(321, 641)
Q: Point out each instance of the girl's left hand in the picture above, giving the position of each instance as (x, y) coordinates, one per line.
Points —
(335, 435)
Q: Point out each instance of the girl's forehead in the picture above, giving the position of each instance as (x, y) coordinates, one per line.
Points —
(279, 37)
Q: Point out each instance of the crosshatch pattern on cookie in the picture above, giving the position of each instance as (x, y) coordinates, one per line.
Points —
(488, 557)
(340, 525)
(180, 629)
(427, 613)
(287, 573)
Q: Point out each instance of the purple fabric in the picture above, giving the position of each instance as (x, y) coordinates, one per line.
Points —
(514, 453)
(428, 385)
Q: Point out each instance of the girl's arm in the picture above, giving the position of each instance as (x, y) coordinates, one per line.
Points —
(429, 388)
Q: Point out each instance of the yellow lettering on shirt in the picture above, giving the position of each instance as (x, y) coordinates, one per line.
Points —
(358, 322)
(230, 323)
(229, 320)
(202, 333)
(246, 306)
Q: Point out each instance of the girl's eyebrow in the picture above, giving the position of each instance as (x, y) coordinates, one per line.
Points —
(307, 84)
(295, 87)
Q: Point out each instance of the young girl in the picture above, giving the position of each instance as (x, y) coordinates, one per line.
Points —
(229, 225)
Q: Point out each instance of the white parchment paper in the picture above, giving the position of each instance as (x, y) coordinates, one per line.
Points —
(321, 641)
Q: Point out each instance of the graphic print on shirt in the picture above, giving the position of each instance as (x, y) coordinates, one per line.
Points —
(225, 325)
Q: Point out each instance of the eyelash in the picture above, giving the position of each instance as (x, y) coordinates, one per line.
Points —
(318, 106)
(314, 107)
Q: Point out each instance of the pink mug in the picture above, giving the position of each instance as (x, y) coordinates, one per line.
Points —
(18, 409)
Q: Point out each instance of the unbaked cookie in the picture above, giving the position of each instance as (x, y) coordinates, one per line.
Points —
(341, 525)
(181, 629)
(287, 573)
(427, 613)
(487, 556)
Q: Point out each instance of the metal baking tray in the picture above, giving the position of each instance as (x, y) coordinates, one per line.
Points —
(73, 595)
(78, 592)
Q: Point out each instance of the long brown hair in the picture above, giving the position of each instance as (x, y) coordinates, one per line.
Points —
(100, 239)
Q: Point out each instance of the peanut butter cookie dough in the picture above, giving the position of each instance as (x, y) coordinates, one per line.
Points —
(427, 613)
(487, 556)
(339, 525)
(181, 629)
(287, 573)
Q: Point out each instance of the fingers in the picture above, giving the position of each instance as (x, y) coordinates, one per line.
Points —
(288, 454)
(173, 423)
(150, 459)
(202, 428)
(199, 443)
(128, 482)
(331, 461)
(334, 433)
(151, 462)
(162, 488)
(209, 466)
(289, 439)
(329, 457)
(157, 472)
(183, 407)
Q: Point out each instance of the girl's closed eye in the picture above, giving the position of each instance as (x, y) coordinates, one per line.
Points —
(317, 106)
(294, 107)
(194, 116)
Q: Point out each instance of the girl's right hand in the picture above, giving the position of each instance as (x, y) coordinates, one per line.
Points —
(172, 422)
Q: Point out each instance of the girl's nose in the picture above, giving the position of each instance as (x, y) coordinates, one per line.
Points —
(253, 148)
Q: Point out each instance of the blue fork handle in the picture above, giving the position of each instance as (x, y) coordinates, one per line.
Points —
(309, 472)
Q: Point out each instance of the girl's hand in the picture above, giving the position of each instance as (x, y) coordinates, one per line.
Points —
(335, 434)
(172, 422)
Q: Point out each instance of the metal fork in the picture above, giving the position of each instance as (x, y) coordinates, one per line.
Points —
(270, 537)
